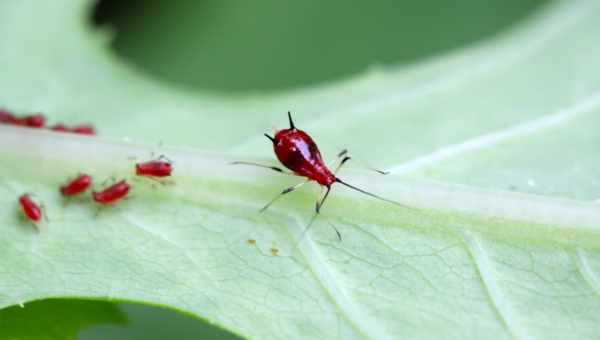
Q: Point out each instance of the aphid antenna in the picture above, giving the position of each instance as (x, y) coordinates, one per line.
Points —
(338, 180)
(271, 167)
(292, 126)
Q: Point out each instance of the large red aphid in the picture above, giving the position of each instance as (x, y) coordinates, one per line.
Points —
(76, 185)
(113, 193)
(31, 209)
(154, 168)
(297, 151)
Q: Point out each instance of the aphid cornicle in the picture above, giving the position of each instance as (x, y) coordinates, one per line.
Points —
(76, 185)
(112, 193)
(297, 151)
(31, 209)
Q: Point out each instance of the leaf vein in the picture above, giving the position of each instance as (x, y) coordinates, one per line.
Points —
(496, 297)
(498, 137)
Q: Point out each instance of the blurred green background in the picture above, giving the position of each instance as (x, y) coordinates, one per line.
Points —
(271, 45)
(241, 45)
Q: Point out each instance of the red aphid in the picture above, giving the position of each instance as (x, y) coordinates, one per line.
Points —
(60, 128)
(83, 129)
(154, 168)
(113, 193)
(297, 151)
(77, 185)
(33, 121)
(31, 209)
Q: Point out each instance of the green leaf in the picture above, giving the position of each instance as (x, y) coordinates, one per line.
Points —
(469, 259)
(55, 319)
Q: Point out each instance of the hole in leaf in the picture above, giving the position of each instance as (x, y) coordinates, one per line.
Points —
(274, 45)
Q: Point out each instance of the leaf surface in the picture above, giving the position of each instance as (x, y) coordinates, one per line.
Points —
(468, 259)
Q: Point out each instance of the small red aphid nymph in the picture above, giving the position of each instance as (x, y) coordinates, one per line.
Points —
(154, 168)
(77, 185)
(33, 121)
(60, 128)
(31, 209)
(113, 193)
(83, 129)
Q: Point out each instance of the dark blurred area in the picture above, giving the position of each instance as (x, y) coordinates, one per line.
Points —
(243, 45)
(154, 323)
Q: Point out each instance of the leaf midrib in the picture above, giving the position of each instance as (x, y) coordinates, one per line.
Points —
(580, 220)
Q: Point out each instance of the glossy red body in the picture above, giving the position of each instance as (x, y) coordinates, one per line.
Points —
(154, 168)
(77, 185)
(113, 193)
(30, 208)
(298, 152)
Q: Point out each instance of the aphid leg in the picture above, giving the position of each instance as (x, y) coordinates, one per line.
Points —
(285, 191)
(274, 168)
(108, 180)
(156, 180)
(337, 232)
(318, 207)
(163, 157)
(44, 214)
(35, 226)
